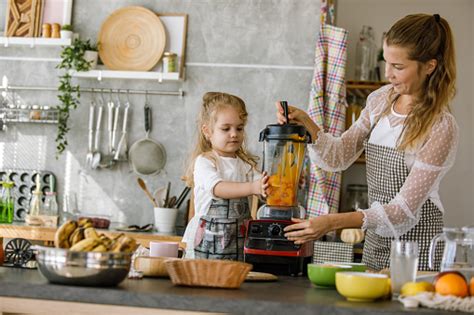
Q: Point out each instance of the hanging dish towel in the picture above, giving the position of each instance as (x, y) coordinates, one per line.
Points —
(327, 109)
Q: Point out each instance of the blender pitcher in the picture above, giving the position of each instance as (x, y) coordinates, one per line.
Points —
(458, 252)
(283, 160)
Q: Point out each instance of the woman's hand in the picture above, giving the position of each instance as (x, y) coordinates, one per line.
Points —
(298, 116)
(307, 230)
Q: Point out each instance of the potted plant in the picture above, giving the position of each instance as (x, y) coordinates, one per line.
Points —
(66, 31)
(72, 59)
(91, 54)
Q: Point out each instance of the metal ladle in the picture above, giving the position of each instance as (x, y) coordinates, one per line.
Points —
(108, 159)
(96, 158)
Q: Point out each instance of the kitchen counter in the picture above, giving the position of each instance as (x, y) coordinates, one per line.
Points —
(159, 296)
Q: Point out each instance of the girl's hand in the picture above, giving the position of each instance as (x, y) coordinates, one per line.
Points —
(260, 186)
(307, 230)
(264, 184)
(298, 116)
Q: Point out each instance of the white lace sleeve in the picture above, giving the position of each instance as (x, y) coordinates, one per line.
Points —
(432, 161)
(333, 153)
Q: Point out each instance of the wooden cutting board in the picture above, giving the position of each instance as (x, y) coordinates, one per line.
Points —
(255, 276)
(22, 17)
(132, 38)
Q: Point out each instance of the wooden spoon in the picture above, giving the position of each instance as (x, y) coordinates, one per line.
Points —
(142, 185)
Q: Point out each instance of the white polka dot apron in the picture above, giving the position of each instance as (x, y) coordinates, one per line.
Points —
(221, 232)
(386, 173)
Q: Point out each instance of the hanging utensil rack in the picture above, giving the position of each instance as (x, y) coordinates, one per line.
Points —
(50, 116)
(179, 92)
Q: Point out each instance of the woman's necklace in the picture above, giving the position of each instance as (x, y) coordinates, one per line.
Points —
(402, 107)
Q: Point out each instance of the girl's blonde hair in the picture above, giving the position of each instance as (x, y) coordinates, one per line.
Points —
(212, 102)
(426, 37)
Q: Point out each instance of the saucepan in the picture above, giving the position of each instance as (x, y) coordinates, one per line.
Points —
(147, 156)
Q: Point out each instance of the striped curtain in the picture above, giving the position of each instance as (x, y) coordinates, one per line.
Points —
(327, 108)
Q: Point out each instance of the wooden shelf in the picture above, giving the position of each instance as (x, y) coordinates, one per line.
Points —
(33, 41)
(362, 88)
(141, 75)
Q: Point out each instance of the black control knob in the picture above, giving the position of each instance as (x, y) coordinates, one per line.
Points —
(274, 229)
(255, 229)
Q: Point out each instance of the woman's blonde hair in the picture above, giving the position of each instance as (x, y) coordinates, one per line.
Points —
(426, 37)
(212, 103)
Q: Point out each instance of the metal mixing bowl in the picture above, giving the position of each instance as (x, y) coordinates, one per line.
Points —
(62, 266)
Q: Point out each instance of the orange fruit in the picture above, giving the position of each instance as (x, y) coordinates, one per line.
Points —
(452, 284)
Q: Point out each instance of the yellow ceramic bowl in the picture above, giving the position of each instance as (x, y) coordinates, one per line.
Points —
(362, 286)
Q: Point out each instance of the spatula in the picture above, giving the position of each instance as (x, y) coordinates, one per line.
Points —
(142, 185)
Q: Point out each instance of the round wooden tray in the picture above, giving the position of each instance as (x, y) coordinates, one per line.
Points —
(131, 38)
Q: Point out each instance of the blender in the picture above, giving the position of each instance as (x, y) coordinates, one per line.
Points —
(283, 158)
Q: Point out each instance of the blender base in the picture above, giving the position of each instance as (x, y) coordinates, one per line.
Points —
(279, 265)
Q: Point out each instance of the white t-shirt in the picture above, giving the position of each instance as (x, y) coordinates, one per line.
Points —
(207, 174)
(427, 164)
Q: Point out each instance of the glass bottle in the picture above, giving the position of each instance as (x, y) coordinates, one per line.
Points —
(50, 204)
(7, 203)
(373, 54)
(70, 210)
(365, 55)
(353, 111)
(357, 197)
(381, 61)
(36, 204)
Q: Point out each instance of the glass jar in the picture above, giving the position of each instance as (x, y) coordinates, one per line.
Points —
(170, 62)
(7, 203)
(50, 204)
(357, 197)
(45, 113)
(24, 113)
(35, 112)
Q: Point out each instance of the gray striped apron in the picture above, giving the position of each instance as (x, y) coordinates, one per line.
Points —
(386, 174)
(221, 232)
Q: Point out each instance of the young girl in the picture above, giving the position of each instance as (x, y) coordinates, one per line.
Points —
(223, 175)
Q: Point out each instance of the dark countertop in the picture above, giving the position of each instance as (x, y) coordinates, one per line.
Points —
(286, 296)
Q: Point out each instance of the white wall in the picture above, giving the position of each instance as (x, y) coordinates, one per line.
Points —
(457, 189)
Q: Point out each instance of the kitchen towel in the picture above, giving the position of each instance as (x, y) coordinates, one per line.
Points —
(327, 108)
(333, 252)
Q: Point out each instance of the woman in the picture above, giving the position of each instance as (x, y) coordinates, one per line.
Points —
(410, 141)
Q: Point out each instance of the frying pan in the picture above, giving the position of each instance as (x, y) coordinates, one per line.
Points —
(147, 156)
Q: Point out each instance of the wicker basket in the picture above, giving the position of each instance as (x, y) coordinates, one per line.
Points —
(207, 273)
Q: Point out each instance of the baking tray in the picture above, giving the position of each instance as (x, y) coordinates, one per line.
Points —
(25, 184)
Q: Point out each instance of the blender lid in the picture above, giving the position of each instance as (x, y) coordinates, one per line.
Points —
(285, 132)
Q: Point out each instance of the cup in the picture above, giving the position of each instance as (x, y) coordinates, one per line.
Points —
(165, 219)
(403, 264)
(164, 249)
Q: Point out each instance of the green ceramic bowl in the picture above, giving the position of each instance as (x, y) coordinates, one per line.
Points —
(359, 267)
(324, 275)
